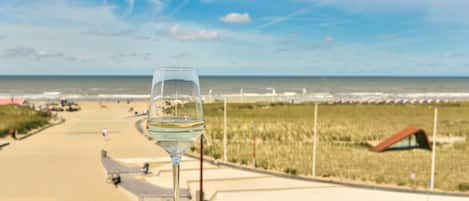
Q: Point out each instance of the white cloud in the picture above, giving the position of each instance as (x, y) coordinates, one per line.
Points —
(30, 52)
(179, 7)
(131, 4)
(280, 19)
(47, 12)
(236, 18)
(107, 34)
(158, 5)
(180, 56)
(88, 44)
(146, 55)
(329, 39)
(187, 34)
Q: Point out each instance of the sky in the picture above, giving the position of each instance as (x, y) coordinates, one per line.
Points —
(235, 37)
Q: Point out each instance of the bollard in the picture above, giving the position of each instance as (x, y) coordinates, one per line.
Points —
(116, 179)
(146, 168)
(103, 153)
(199, 196)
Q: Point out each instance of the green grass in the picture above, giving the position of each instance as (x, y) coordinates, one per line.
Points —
(21, 118)
(284, 141)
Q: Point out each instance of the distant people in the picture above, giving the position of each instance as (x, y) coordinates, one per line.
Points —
(105, 134)
(14, 132)
(116, 179)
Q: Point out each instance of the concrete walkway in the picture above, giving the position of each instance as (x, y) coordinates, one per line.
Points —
(225, 183)
(63, 163)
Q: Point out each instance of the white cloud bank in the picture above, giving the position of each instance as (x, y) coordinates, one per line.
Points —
(38, 54)
(187, 34)
(240, 18)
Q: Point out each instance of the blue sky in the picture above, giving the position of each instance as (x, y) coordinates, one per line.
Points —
(236, 37)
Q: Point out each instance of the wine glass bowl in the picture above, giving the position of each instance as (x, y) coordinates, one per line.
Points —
(175, 119)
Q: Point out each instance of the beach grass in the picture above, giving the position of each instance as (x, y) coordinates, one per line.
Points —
(283, 136)
(22, 118)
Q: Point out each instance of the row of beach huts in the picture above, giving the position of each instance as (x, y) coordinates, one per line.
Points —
(391, 101)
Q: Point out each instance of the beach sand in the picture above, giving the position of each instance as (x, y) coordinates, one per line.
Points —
(63, 162)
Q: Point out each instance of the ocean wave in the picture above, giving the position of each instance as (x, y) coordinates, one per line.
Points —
(282, 96)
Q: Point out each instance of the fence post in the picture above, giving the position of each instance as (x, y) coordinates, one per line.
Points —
(225, 130)
(315, 132)
(435, 127)
(253, 145)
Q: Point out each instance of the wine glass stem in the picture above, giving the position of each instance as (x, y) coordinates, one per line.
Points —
(176, 178)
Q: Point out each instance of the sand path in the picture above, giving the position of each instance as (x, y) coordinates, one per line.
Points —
(63, 162)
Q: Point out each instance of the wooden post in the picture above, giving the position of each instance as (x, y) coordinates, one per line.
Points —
(252, 127)
(315, 132)
(225, 130)
(254, 149)
(435, 127)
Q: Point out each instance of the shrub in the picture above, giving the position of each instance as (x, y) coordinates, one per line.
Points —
(21, 118)
(463, 187)
(262, 164)
(379, 179)
(291, 171)
(213, 151)
(4, 132)
(244, 162)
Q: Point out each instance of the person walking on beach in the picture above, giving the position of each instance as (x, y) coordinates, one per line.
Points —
(105, 134)
(14, 133)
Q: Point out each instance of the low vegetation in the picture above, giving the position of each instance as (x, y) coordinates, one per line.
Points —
(21, 118)
(283, 136)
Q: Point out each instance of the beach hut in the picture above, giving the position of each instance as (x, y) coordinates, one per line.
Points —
(408, 138)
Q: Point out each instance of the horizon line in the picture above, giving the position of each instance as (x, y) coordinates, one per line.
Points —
(239, 75)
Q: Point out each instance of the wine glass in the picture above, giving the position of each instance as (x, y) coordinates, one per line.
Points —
(175, 119)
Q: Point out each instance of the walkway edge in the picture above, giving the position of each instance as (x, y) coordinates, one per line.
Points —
(326, 181)
(61, 121)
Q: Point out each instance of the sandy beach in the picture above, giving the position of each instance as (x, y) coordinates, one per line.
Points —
(63, 162)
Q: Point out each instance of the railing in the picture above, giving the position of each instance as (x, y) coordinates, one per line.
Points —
(281, 137)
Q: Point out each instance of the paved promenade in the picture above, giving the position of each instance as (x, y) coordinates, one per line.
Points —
(63, 164)
(231, 184)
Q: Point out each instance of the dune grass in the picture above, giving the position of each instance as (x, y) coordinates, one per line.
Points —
(21, 118)
(284, 141)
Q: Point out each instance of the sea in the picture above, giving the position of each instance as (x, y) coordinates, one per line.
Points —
(282, 88)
